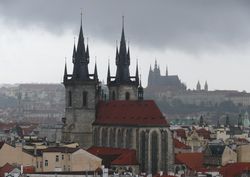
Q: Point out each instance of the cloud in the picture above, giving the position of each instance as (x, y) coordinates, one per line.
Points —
(192, 26)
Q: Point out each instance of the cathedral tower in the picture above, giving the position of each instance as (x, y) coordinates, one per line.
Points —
(123, 86)
(81, 89)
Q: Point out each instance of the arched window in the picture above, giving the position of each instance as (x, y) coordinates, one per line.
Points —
(69, 99)
(154, 152)
(84, 98)
(127, 96)
(143, 152)
(113, 95)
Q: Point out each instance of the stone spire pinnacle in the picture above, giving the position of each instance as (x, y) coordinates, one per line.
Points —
(137, 72)
(167, 70)
(81, 59)
(95, 72)
(65, 76)
(108, 75)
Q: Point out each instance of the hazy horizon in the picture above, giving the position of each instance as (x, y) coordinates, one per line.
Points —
(197, 40)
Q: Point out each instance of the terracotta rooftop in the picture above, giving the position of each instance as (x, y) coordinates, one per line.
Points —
(193, 161)
(204, 133)
(131, 113)
(235, 169)
(181, 133)
(5, 169)
(115, 156)
(180, 145)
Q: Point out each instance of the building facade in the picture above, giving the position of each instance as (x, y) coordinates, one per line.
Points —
(124, 120)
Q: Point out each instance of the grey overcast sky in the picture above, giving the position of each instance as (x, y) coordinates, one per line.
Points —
(205, 40)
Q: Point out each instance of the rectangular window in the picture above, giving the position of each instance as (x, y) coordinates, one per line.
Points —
(69, 99)
(46, 163)
(57, 158)
(62, 156)
(41, 164)
(84, 98)
(37, 165)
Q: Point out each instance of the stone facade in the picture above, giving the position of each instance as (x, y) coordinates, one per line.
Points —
(123, 92)
(80, 115)
(154, 145)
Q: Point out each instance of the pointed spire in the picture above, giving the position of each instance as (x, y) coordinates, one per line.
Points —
(108, 75)
(167, 70)
(74, 53)
(117, 56)
(128, 56)
(140, 90)
(137, 72)
(80, 70)
(155, 64)
(150, 68)
(80, 45)
(198, 86)
(65, 71)
(95, 71)
(87, 52)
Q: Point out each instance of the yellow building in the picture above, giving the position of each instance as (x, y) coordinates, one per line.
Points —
(16, 155)
(50, 159)
(69, 159)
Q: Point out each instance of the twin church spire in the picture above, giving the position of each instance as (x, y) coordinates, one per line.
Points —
(123, 62)
(80, 60)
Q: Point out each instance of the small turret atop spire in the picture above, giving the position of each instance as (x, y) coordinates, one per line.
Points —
(74, 53)
(108, 75)
(87, 53)
(95, 72)
(140, 90)
(137, 72)
(155, 64)
(65, 76)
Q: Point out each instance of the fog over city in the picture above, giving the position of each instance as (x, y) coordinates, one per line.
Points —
(198, 40)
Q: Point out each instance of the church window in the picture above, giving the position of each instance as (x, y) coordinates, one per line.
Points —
(113, 95)
(143, 152)
(154, 152)
(164, 143)
(120, 138)
(127, 96)
(69, 99)
(84, 99)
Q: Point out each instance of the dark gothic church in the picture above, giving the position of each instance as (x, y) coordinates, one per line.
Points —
(124, 120)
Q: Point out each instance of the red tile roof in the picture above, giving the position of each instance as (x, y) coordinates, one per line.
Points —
(133, 113)
(115, 156)
(235, 169)
(204, 133)
(6, 169)
(180, 145)
(193, 161)
(181, 133)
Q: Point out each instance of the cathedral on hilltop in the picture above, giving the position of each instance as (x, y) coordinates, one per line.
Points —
(124, 120)
(160, 82)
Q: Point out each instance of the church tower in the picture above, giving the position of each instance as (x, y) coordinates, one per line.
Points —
(81, 97)
(123, 86)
